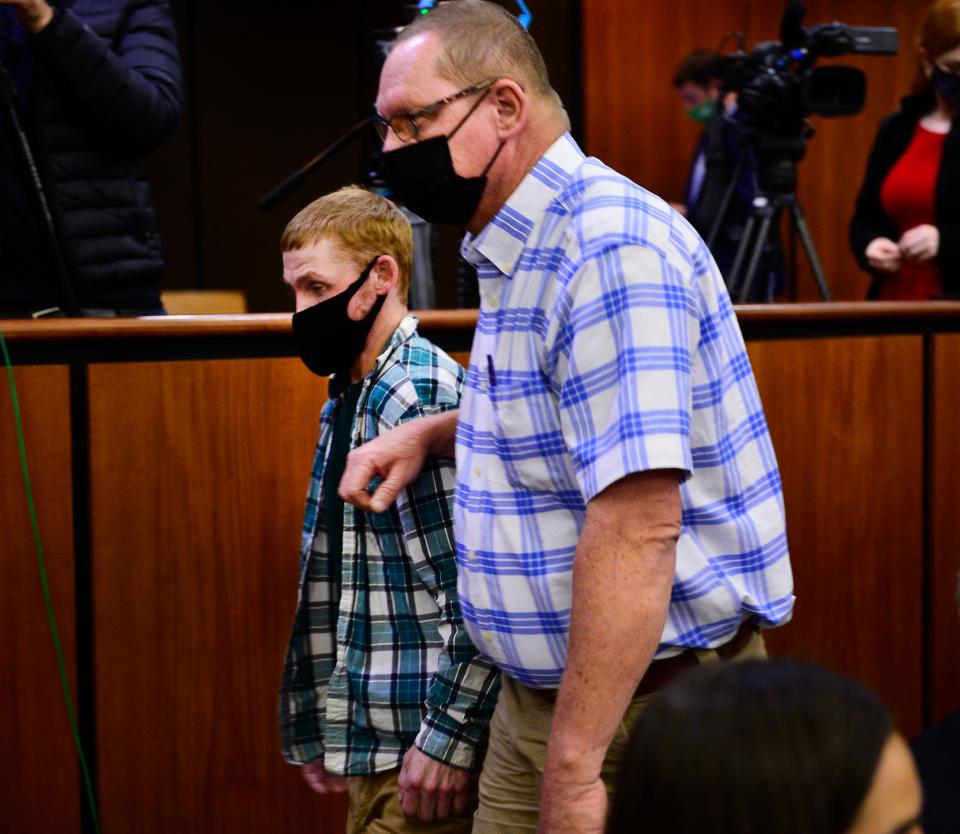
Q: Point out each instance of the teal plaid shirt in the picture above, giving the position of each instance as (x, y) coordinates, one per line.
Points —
(392, 666)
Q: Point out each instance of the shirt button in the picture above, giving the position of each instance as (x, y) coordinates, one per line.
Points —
(477, 471)
(487, 637)
(472, 555)
(494, 302)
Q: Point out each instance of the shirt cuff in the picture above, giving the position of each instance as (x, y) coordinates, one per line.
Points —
(301, 754)
(448, 741)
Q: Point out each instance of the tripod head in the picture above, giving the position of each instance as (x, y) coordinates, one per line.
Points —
(777, 156)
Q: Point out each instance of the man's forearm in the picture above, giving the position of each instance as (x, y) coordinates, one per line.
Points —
(623, 574)
(440, 431)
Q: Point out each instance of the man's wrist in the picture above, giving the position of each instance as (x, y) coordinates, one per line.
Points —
(452, 749)
(573, 763)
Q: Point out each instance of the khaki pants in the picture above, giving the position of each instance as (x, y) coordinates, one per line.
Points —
(513, 769)
(374, 809)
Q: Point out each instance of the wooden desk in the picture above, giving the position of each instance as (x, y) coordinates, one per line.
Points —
(170, 459)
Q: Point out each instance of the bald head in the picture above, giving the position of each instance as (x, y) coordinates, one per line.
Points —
(476, 40)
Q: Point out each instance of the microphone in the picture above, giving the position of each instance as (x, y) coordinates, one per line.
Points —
(295, 180)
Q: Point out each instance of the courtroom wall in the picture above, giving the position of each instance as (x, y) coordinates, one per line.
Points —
(265, 92)
(266, 89)
(634, 121)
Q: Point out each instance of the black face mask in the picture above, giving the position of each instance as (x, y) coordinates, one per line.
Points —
(327, 339)
(423, 177)
(948, 85)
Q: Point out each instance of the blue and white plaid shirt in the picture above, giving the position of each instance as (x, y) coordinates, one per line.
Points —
(391, 665)
(606, 345)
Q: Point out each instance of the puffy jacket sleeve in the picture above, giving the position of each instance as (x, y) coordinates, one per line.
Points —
(130, 88)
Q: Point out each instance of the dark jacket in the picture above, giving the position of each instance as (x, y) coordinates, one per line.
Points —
(106, 91)
(723, 148)
(869, 220)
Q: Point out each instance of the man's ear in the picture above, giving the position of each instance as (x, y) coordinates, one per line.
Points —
(513, 107)
(386, 274)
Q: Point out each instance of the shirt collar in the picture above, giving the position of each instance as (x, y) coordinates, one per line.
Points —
(406, 328)
(504, 238)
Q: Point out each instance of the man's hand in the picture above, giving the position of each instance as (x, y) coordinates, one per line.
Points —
(921, 243)
(396, 456)
(34, 14)
(429, 790)
(321, 781)
(883, 255)
(572, 807)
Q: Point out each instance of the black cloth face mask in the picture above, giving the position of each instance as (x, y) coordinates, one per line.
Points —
(327, 339)
(422, 175)
(948, 85)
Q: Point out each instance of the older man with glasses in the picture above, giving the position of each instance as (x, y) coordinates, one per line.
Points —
(618, 509)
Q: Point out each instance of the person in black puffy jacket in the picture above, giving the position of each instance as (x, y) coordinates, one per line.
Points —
(97, 86)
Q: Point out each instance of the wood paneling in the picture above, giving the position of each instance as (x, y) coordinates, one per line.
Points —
(199, 472)
(39, 762)
(944, 525)
(847, 426)
(635, 122)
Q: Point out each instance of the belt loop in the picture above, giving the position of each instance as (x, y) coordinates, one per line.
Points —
(705, 656)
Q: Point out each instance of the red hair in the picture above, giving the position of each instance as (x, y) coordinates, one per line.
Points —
(939, 33)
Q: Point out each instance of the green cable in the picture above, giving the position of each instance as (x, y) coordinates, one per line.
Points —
(46, 588)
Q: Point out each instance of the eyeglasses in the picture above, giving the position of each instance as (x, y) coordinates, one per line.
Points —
(404, 125)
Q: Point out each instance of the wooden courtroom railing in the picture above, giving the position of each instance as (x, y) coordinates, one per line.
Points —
(169, 459)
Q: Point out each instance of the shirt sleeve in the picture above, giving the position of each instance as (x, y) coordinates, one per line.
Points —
(622, 361)
(311, 650)
(128, 89)
(311, 655)
(463, 689)
(869, 220)
(462, 693)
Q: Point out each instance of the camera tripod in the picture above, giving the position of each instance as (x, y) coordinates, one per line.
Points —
(763, 219)
(776, 157)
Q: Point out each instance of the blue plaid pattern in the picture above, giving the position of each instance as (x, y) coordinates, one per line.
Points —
(606, 345)
(392, 665)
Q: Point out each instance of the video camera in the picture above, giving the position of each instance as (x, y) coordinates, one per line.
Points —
(778, 86)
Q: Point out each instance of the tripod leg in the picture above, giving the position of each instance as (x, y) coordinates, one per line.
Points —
(724, 203)
(800, 222)
(735, 276)
(751, 276)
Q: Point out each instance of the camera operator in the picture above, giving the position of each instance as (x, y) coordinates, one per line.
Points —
(906, 227)
(699, 81)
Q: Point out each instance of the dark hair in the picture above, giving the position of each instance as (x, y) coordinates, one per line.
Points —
(700, 67)
(753, 747)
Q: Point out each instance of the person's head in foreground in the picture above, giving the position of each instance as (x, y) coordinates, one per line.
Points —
(347, 257)
(767, 747)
